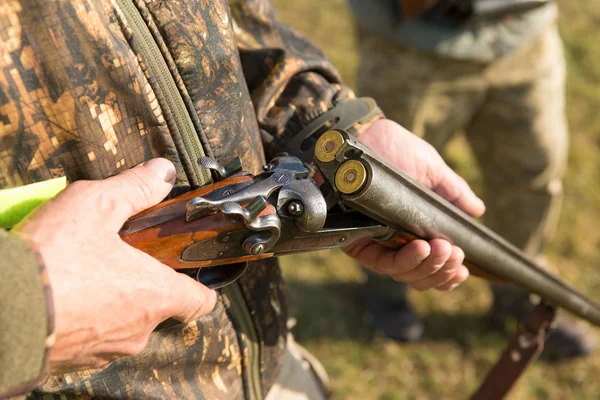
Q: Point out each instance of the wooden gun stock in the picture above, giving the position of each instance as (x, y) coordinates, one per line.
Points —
(163, 232)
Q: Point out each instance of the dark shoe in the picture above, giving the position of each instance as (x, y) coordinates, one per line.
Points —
(568, 338)
(394, 319)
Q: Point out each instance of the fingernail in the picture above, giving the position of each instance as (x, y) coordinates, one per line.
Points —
(161, 168)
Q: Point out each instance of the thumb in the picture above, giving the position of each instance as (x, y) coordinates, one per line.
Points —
(139, 188)
(192, 299)
(457, 191)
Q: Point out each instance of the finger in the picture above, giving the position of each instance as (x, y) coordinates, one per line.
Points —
(457, 191)
(459, 277)
(191, 299)
(444, 274)
(177, 295)
(138, 188)
(441, 251)
(384, 260)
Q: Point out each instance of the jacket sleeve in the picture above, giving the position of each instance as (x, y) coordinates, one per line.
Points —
(26, 318)
(291, 81)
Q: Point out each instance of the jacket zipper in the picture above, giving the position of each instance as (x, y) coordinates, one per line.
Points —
(239, 310)
(158, 67)
(154, 60)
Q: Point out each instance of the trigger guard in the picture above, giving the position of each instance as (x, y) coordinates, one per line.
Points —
(218, 276)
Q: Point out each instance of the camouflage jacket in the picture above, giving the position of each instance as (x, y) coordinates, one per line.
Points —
(77, 99)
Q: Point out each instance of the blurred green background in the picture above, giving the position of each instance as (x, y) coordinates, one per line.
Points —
(458, 348)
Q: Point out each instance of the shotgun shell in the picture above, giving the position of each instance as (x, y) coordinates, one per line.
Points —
(328, 145)
(350, 177)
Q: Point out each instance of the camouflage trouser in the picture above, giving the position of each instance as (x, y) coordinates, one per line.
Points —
(512, 112)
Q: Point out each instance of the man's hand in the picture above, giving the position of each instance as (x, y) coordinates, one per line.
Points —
(108, 296)
(423, 265)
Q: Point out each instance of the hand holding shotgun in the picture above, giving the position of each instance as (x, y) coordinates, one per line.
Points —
(374, 211)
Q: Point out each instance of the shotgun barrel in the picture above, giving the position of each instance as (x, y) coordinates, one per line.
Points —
(389, 196)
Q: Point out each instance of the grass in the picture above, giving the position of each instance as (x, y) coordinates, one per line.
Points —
(458, 348)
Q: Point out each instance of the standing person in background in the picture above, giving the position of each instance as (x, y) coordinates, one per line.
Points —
(496, 71)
